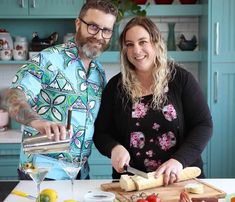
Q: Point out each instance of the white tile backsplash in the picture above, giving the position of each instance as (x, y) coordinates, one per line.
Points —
(7, 73)
(188, 26)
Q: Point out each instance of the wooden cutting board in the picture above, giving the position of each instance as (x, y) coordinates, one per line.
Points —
(170, 193)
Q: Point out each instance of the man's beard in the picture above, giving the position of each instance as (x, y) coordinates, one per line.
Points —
(87, 46)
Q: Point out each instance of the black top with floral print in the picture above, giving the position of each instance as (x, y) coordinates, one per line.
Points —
(180, 130)
(153, 134)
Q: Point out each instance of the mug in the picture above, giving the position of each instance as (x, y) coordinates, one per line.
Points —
(6, 54)
(19, 54)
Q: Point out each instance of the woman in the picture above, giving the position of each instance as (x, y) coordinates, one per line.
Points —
(153, 115)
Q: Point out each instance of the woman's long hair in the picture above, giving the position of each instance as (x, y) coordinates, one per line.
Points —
(161, 71)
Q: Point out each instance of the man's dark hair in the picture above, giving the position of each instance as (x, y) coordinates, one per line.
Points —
(103, 5)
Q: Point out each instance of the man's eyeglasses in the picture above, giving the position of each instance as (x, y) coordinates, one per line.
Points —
(94, 29)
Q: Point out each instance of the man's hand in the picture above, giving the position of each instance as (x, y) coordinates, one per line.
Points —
(120, 157)
(53, 130)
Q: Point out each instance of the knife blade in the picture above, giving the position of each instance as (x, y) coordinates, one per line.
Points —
(23, 194)
(135, 171)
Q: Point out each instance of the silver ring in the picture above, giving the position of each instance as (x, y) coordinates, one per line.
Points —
(172, 173)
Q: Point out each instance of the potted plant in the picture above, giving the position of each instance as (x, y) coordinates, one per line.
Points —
(127, 7)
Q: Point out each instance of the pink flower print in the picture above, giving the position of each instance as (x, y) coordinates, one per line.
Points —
(151, 140)
(169, 112)
(137, 140)
(149, 153)
(167, 141)
(139, 110)
(138, 154)
(151, 165)
(137, 124)
(156, 126)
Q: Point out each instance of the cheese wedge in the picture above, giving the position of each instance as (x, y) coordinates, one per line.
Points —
(195, 188)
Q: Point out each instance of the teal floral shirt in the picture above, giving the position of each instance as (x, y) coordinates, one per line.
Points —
(56, 80)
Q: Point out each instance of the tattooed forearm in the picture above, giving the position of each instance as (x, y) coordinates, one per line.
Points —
(15, 102)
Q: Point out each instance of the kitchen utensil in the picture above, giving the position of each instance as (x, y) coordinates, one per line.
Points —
(23, 194)
(37, 171)
(99, 196)
(72, 164)
(173, 190)
(135, 171)
(41, 144)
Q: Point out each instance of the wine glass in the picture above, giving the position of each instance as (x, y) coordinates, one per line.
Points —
(37, 172)
(72, 164)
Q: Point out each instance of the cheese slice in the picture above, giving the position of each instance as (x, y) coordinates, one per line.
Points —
(195, 188)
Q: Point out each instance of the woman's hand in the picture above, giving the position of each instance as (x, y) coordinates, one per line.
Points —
(53, 130)
(171, 170)
(120, 157)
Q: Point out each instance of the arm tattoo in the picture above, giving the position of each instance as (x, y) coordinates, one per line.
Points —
(15, 102)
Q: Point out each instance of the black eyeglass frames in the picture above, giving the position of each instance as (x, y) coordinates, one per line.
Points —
(94, 29)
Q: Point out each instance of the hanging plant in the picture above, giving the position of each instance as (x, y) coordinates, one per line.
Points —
(129, 7)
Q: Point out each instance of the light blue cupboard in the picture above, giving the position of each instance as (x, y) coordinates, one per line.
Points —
(222, 92)
(33, 8)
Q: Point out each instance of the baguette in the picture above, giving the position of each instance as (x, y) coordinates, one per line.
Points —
(131, 183)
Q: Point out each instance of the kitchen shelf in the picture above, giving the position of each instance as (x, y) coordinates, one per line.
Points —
(113, 57)
(180, 56)
(153, 10)
(174, 10)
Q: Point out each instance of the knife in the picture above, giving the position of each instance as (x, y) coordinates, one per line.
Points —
(23, 194)
(135, 171)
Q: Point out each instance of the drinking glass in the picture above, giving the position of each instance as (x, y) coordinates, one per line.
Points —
(37, 172)
(72, 164)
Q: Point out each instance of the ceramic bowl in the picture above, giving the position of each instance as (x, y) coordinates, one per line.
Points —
(163, 1)
(4, 118)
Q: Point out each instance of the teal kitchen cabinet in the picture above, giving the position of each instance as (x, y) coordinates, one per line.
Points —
(223, 30)
(222, 159)
(42, 8)
(100, 166)
(221, 87)
(9, 160)
(14, 7)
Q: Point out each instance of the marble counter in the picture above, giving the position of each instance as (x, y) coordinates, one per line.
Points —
(10, 136)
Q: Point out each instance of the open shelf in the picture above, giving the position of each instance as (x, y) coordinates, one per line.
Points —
(113, 57)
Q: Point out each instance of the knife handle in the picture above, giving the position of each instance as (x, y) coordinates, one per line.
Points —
(19, 193)
(125, 168)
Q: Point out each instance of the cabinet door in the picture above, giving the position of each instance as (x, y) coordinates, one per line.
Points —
(13, 7)
(100, 166)
(9, 161)
(55, 7)
(223, 30)
(222, 159)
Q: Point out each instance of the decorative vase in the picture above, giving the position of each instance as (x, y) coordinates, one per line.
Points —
(171, 37)
(163, 1)
(114, 44)
(188, 1)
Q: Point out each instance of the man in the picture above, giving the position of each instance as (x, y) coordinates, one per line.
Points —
(63, 77)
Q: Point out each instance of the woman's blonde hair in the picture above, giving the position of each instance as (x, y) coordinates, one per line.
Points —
(161, 71)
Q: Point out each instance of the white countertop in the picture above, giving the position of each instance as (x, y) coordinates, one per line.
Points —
(81, 187)
(11, 136)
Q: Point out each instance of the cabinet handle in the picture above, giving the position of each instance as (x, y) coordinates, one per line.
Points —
(34, 4)
(217, 38)
(22, 3)
(216, 81)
